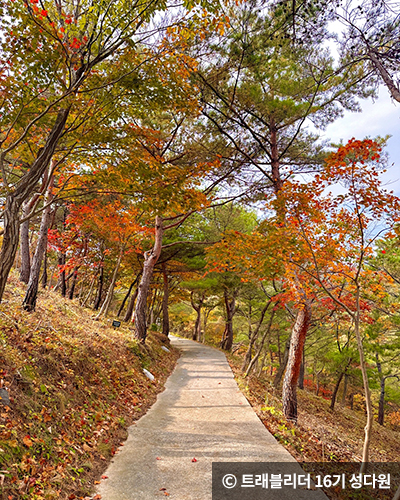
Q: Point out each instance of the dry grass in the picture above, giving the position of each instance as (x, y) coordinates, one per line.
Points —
(321, 435)
(75, 385)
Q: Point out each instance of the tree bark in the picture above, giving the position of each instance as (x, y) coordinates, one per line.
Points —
(25, 269)
(97, 301)
(107, 301)
(227, 338)
(282, 366)
(165, 316)
(29, 302)
(367, 392)
(345, 385)
(23, 190)
(267, 332)
(44, 275)
(73, 285)
(121, 308)
(129, 311)
(385, 75)
(150, 259)
(253, 338)
(298, 337)
(336, 389)
(197, 307)
(381, 407)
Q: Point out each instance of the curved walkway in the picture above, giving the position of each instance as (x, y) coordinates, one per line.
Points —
(201, 415)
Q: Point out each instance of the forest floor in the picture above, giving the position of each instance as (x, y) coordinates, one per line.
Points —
(321, 434)
(75, 385)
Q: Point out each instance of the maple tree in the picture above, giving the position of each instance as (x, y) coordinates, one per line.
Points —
(334, 237)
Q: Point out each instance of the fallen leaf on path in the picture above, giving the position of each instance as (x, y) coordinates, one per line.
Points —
(163, 489)
(194, 459)
(97, 482)
(166, 493)
(104, 477)
(97, 497)
(158, 458)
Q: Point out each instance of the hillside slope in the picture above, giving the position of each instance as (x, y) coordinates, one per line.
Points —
(74, 385)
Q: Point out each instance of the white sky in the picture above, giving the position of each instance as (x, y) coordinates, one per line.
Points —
(379, 117)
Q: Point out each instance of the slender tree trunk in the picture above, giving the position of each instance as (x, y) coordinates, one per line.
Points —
(126, 298)
(367, 392)
(345, 385)
(150, 259)
(97, 301)
(73, 285)
(10, 240)
(165, 316)
(254, 337)
(91, 286)
(44, 275)
(29, 302)
(25, 269)
(275, 161)
(62, 283)
(298, 337)
(227, 338)
(197, 307)
(107, 301)
(22, 191)
(282, 366)
(129, 311)
(267, 332)
(335, 391)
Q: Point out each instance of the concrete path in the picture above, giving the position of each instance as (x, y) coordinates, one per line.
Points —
(201, 415)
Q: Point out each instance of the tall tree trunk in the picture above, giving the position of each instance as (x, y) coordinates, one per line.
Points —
(62, 283)
(73, 285)
(302, 372)
(23, 190)
(107, 301)
(298, 337)
(45, 274)
(336, 389)
(282, 366)
(227, 338)
(129, 311)
(266, 333)
(97, 301)
(254, 337)
(150, 259)
(367, 392)
(197, 307)
(165, 316)
(121, 307)
(25, 269)
(345, 386)
(29, 302)
(91, 286)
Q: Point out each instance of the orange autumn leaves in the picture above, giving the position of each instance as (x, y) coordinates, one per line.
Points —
(316, 242)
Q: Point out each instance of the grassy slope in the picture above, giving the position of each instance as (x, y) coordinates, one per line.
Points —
(321, 434)
(75, 385)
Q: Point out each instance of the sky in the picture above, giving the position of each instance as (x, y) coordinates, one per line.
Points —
(379, 117)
